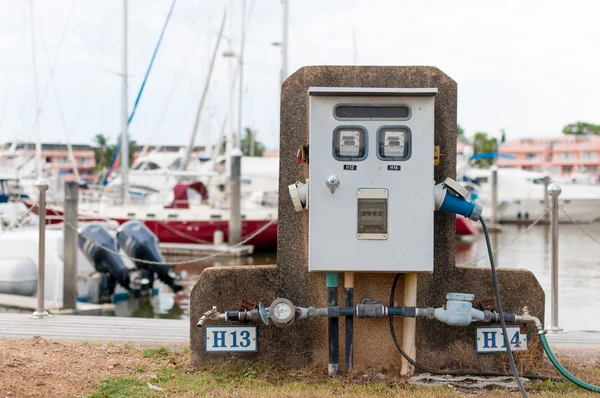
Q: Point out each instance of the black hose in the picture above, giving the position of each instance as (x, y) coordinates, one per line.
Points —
(511, 358)
(425, 369)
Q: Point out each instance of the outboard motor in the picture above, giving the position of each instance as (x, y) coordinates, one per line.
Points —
(110, 266)
(139, 242)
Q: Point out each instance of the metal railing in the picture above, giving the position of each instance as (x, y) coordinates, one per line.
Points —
(554, 191)
(41, 313)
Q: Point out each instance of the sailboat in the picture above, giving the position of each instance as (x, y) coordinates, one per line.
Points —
(192, 209)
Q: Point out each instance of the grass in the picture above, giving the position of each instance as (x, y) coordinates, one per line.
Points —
(173, 377)
(156, 353)
(121, 387)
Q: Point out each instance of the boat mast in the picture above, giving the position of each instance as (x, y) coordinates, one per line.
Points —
(238, 137)
(190, 146)
(36, 104)
(124, 114)
(229, 137)
(284, 41)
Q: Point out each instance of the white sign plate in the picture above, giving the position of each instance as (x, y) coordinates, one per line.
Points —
(491, 339)
(231, 338)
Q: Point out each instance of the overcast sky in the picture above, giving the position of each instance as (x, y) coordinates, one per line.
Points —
(528, 67)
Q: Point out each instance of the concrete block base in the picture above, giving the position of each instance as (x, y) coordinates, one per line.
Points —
(304, 343)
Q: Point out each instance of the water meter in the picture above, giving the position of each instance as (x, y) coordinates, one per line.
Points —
(371, 189)
(282, 312)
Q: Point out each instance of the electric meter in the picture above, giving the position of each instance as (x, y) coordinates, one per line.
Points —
(349, 143)
(282, 312)
(394, 143)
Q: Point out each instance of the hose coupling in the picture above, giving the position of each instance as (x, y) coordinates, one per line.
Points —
(371, 309)
(428, 312)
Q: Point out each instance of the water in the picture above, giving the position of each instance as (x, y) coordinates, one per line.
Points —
(167, 305)
(579, 273)
(579, 267)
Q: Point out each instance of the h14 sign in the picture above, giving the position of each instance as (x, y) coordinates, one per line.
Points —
(491, 339)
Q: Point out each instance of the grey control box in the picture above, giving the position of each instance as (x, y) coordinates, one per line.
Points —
(371, 179)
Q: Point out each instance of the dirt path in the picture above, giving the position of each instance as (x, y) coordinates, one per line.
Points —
(37, 367)
(45, 368)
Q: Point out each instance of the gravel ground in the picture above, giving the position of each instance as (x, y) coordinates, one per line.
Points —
(38, 367)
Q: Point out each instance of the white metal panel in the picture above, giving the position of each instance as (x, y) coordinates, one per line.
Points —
(333, 243)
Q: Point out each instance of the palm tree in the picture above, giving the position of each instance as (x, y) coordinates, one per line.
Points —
(100, 148)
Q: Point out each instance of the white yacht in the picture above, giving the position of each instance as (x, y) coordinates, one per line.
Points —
(521, 195)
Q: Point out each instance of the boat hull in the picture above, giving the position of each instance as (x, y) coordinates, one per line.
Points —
(184, 231)
(465, 226)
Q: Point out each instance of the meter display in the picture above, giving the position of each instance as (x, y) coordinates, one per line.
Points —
(282, 311)
(394, 143)
(349, 143)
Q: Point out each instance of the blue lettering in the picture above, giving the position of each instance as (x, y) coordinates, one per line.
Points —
(218, 337)
(489, 337)
(516, 340)
(234, 338)
(245, 338)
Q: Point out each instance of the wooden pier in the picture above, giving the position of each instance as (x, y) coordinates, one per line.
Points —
(56, 307)
(193, 249)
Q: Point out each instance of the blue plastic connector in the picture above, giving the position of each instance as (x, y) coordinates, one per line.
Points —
(457, 205)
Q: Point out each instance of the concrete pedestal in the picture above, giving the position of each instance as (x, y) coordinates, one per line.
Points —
(304, 343)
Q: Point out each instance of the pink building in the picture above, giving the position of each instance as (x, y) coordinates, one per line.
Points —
(56, 157)
(563, 156)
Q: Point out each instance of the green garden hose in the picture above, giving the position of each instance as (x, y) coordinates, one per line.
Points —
(564, 371)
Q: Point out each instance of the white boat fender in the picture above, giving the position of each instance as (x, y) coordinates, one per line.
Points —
(18, 275)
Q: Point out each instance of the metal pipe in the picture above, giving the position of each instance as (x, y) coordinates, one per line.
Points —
(554, 190)
(546, 197)
(494, 199)
(124, 113)
(241, 88)
(230, 111)
(284, 42)
(36, 104)
(42, 186)
(333, 325)
(190, 147)
(349, 298)
(70, 245)
(235, 217)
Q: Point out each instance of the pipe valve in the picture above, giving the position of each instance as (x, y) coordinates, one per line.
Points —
(213, 313)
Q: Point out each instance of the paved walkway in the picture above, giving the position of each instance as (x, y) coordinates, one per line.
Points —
(94, 328)
(105, 328)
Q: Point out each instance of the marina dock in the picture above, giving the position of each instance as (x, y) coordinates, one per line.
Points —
(192, 249)
(30, 303)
